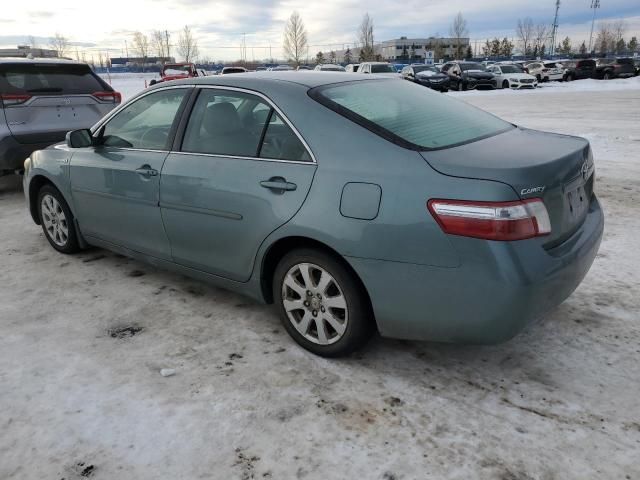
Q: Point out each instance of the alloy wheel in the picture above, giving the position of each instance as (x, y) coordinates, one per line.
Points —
(315, 304)
(55, 221)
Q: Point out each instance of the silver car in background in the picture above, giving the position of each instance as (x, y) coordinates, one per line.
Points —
(41, 100)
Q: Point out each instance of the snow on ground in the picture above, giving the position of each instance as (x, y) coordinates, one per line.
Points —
(560, 401)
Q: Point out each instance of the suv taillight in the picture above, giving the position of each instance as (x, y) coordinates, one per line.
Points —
(13, 99)
(505, 221)
(108, 97)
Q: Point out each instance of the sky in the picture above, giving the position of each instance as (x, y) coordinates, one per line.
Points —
(221, 26)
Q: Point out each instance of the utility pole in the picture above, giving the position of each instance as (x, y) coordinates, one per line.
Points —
(126, 49)
(166, 37)
(554, 30)
(595, 4)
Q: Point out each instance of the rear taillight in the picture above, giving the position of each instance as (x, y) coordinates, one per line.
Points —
(13, 99)
(108, 97)
(504, 221)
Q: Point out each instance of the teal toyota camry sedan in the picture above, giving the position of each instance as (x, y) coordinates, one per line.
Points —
(352, 203)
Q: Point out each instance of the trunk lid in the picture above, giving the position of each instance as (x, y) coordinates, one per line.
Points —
(52, 98)
(557, 168)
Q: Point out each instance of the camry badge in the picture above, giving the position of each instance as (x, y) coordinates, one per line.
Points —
(527, 191)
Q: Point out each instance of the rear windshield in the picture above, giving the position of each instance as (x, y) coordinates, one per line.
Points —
(377, 68)
(49, 79)
(408, 114)
(466, 67)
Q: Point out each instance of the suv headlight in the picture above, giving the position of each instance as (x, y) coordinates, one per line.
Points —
(514, 80)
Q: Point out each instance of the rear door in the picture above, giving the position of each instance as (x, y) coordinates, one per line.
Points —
(43, 101)
(241, 172)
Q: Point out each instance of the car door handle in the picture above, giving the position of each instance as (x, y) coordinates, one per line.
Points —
(147, 171)
(279, 184)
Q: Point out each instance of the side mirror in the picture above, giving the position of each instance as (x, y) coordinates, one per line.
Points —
(79, 138)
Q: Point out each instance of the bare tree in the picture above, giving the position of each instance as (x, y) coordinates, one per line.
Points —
(31, 41)
(540, 37)
(158, 42)
(459, 31)
(187, 45)
(524, 32)
(365, 38)
(60, 44)
(605, 41)
(295, 39)
(618, 29)
(141, 47)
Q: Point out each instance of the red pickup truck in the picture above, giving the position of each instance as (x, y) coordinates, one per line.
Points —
(176, 71)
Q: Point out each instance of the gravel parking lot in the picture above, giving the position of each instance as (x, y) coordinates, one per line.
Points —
(84, 339)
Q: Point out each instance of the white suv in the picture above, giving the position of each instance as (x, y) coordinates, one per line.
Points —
(512, 76)
(545, 71)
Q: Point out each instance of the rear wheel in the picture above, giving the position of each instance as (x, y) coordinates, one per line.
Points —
(56, 220)
(607, 76)
(461, 87)
(321, 305)
(569, 78)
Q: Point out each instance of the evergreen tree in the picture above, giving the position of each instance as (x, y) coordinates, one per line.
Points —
(633, 45)
(621, 46)
(496, 47)
(347, 56)
(535, 51)
(320, 58)
(469, 53)
(565, 47)
(332, 57)
(542, 50)
(506, 47)
(583, 48)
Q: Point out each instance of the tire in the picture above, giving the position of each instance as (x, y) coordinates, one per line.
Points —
(57, 220)
(152, 82)
(461, 87)
(539, 78)
(607, 76)
(444, 90)
(505, 84)
(350, 322)
(570, 78)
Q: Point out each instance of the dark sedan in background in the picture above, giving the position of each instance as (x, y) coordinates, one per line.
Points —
(469, 75)
(426, 75)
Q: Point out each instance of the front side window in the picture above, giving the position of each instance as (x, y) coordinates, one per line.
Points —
(410, 115)
(239, 124)
(146, 122)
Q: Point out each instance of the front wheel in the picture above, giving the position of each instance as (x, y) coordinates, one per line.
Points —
(607, 76)
(321, 304)
(56, 220)
(505, 84)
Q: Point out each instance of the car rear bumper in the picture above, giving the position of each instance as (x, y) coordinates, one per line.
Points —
(499, 289)
(13, 154)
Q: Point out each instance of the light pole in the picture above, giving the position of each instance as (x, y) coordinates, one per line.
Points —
(595, 4)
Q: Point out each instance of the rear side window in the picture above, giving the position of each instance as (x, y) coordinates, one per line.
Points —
(625, 61)
(408, 114)
(587, 63)
(49, 79)
(239, 124)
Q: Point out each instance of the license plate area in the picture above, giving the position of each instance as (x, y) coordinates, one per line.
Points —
(577, 203)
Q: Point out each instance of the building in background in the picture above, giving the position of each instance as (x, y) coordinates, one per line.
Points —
(23, 51)
(405, 49)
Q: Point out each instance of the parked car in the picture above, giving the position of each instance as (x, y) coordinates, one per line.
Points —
(329, 67)
(176, 71)
(304, 67)
(545, 71)
(512, 76)
(608, 68)
(436, 230)
(636, 63)
(281, 68)
(352, 67)
(427, 76)
(378, 68)
(42, 99)
(229, 70)
(468, 76)
(579, 69)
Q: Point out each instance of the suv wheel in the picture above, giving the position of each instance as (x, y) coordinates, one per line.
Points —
(505, 84)
(56, 220)
(321, 305)
(607, 76)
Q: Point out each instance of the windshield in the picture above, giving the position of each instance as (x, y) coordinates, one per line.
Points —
(426, 69)
(409, 114)
(382, 68)
(510, 69)
(176, 69)
(472, 66)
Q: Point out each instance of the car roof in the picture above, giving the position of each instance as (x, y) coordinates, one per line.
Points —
(40, 61)
(251, 80)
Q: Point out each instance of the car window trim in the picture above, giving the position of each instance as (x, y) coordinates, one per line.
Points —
(187, 113)
(172, 130)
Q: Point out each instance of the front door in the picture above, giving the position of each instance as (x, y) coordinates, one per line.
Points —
(241, 173)
(116, 185)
